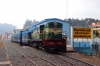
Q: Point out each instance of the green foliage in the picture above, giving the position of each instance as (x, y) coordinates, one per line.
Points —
(82, 22)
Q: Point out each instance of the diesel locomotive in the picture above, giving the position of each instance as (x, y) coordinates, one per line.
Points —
(46, 36)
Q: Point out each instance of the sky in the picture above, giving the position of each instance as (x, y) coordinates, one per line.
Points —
(16, 12)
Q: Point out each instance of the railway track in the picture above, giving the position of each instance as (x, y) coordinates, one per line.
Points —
(36, 56)
(17, 58)
(26, 57)
(65, 60)
(43, 59)
(73, 61)
(60, 56)
(49, 61)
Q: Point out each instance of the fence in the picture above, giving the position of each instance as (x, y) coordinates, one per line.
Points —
(87, 48)
(83, 47)
(96, 47)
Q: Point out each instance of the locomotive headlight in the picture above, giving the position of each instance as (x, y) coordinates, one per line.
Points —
(55, 23)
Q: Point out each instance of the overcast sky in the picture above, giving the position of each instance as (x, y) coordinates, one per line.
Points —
(16, 12)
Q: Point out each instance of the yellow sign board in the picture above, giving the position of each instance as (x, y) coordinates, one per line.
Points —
(81, 32)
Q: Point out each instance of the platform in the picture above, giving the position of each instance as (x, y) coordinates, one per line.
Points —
(69, 48)
(3, 55)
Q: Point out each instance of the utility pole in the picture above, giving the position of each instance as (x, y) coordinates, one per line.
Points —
(67, 10)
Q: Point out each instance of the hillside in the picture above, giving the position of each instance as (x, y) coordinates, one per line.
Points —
(83, 22)
(6, 28)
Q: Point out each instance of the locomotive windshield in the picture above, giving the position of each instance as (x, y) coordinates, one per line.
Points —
(53, 30)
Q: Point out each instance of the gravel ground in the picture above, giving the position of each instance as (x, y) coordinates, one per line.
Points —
(48, 56)
(30, 53)
(18, 60)
(87, 58)
(76, 62)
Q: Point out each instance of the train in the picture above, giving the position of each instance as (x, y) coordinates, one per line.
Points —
(46, 35)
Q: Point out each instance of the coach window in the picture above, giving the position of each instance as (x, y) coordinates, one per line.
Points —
(46, 25)
(38, 29)
(35, 31)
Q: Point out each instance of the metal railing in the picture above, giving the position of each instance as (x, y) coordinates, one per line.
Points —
(83, 47)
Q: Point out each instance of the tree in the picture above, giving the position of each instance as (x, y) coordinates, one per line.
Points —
(27, 23)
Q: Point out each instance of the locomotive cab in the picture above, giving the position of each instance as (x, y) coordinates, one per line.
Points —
(53, 40)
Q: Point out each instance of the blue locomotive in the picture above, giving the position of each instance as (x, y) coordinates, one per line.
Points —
(46, 35)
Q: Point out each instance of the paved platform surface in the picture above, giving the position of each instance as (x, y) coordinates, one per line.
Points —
(69, 48)
(3, 55)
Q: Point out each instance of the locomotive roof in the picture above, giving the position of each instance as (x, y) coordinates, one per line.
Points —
(25, 32)
(17, 34)
(46, 21)
(41, 23)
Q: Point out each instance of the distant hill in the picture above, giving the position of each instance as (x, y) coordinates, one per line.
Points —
(6, 28)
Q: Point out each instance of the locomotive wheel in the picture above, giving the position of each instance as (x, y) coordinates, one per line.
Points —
(43, 47)
(40, 46)
(34, 45)
(28, 43)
